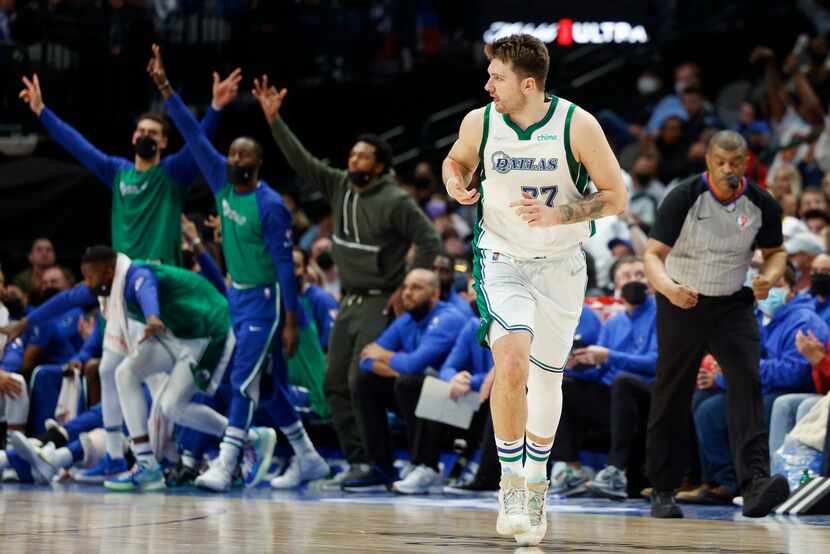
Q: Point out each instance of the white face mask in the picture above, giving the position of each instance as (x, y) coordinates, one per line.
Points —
(647, 85)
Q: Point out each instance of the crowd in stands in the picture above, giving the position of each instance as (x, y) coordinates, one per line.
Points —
(50, 383)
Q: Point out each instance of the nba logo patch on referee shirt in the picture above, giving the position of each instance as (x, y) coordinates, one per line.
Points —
(743, 222)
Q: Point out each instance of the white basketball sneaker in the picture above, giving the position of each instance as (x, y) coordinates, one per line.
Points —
(42, 471)
(217, 478)
(513, 517)
(537, 503)
(302, 469)
(418, 481)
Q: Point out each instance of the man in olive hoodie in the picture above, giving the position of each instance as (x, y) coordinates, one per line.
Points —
(375, 223)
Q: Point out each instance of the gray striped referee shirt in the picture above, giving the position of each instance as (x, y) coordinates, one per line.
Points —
(712, 241)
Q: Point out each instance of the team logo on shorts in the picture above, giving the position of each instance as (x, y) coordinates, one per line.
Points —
(503, 163)
(743, 222)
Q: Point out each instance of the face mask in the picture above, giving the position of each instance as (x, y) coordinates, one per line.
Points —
(325, 261)
(15, 307)
(146, 147)
(777, 298)
(642, 178)
(680, 86)
(820, 285)
(360, 178)
(101, 290)
(419, 311)
(240, 174)
(422, 183)
(647, 85)
(635, 293)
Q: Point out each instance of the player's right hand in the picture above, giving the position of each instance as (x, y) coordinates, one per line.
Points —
(682, 296)
(32, 95)
(8, 386)
(458, 191)
(269, 98)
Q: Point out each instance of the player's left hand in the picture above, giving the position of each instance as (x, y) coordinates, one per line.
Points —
(14, 329)
(154, 327)
(373, 350)
(534, 211)
(761, 286)
(591, 355)
(224, 91)
(290, 338)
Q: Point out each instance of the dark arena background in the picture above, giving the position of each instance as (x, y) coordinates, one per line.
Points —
(365, 396)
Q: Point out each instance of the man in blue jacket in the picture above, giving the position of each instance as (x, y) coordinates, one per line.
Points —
(783, 370)
(820, 285)
(626, 352)
(419, 339)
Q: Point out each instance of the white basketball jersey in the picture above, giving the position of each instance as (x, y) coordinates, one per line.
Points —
(539, 161)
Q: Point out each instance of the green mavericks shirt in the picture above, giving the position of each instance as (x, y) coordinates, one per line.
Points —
(146, 215)
(247, 257)
(190, 306)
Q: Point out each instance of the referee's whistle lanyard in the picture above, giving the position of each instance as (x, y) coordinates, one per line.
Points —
(738, 192)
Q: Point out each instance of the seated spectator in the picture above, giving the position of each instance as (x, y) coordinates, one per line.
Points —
(444, 267)
(803, 249)
(4, 311)
(817, 221)
(812, 198)
(685, 75)
(783, 370)
(419, 339)
(41, 258)
(820, 286)
(647, 191)
(700, 114)
(785, 185)
(610, 394)
(321, 305)
(790, 408)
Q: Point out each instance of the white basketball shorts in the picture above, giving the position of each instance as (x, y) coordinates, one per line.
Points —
(543, 297)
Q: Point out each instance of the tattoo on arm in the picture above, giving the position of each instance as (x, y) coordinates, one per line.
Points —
(589, 208)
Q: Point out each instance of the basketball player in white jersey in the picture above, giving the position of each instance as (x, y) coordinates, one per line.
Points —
(536, 155)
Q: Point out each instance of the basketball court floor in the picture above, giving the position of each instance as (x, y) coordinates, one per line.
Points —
(68, 518)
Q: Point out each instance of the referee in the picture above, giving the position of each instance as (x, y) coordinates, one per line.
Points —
(697, 259)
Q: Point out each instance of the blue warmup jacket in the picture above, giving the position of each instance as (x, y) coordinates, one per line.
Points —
(420, 344)
(631, 340)
(323, 309)
(468, 355)
(783, 368)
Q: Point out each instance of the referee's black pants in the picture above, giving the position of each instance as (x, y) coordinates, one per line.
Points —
(726, 327)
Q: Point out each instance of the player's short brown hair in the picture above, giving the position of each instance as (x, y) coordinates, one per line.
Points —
(158, 118)
(528, 54)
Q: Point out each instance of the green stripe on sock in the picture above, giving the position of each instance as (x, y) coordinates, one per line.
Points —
(536, 458)
(516, 459)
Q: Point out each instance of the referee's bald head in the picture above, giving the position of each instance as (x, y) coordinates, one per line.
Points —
(729, 141)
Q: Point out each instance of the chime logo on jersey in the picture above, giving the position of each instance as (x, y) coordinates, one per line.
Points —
(503, 163)
(229, 212)
(743, 221)
(126, 188)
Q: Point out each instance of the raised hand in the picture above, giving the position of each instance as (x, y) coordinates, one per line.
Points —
(32, 95)
(155, 68)
(269, 98)
(224, 91)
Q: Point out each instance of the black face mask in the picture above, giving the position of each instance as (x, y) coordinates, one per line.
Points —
(422, 183)
(16, 308)
(642, 178)
(360, 178)
(101, 290)
(446, 288)
(240, 174)
(325, 261)
(635, 293)
(820, 285)
(420, 311)
(146, 147)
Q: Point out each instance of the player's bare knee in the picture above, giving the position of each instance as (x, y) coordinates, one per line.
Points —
(512, 373)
